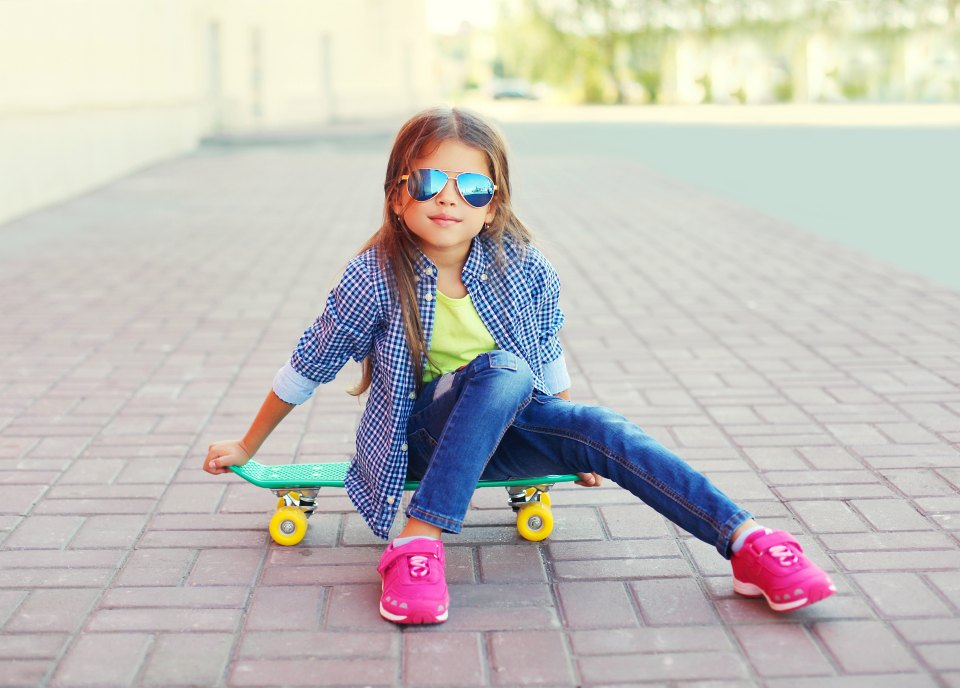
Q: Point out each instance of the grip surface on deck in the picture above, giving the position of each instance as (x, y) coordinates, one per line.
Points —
(332, 475)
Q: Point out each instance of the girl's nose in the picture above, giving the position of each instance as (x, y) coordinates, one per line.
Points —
(448, 194)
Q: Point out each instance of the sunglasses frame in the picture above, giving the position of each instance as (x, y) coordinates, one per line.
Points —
(449, 176)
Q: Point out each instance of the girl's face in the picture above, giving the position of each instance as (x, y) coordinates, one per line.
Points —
(445, 225)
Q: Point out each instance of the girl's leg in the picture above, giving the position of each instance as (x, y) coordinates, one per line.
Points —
(552, 435)
(456, 426)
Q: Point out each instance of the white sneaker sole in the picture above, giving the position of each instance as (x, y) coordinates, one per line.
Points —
(751, 590)
(396, 618)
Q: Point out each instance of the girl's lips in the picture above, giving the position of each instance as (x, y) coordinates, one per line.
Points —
(444, 220)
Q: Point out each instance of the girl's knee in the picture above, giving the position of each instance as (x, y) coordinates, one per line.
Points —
(512, 374)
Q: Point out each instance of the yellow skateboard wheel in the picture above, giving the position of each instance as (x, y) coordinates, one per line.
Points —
(535, 521)
(288, 526)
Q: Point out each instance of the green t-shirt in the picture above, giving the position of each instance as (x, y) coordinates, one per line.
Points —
(459, 336)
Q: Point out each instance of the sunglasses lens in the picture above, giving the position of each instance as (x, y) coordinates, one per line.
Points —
(476, 189)
(425, 184)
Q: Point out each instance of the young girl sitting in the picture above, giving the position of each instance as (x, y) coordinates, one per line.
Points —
(454, 315)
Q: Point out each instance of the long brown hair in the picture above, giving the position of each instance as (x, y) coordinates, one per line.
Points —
(396, 248)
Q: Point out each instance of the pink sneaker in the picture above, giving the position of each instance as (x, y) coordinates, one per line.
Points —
(414, 583)
(772, 564)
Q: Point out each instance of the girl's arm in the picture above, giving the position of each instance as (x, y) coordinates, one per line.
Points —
(220, 455)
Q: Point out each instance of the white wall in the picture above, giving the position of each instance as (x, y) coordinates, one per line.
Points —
(92, 90)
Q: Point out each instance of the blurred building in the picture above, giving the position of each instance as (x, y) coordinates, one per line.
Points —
(91, 90)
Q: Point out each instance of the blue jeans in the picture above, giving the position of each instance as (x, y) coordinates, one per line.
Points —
(486, 421)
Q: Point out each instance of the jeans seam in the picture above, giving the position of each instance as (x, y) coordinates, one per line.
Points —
(623, 462)
(430, 515)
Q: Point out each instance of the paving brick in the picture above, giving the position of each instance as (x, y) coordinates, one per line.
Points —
(9, 601)
(164, 619)
(285, 607)
(93, 507)
(613, 549)
(864, 647)
(910, 560)
(17, 499)
(221, 597)
(204, 539)
(43, 532)
(620, 641)
(941, 657)
(596, 604)
(444, 659)
(918, 631)
(53, 610)
(31, 645)
(855, 542)
(505, 564)
(303, 644)
(519, 658)
(188, 659)
(782, 650)
(315, 672)
(673, 602)
(356, 607)
(117, 531)
(156, 567)
(55, 578)
(24, 672)
(901, 595)
(634, 521)
(625, 569)
(891, 514)
(320, 575)
(99, 659)
(948, 583)
(666, 667)
(226, 567)
(829, 517)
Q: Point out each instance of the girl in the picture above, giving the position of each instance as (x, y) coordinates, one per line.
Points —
(454, 316)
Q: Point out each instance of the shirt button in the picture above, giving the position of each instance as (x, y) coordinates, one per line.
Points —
(403, 447)
(429, 297)
(412, 395)
(483, 277)
(391, 499)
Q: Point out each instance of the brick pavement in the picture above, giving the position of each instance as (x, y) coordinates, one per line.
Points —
(144, 320)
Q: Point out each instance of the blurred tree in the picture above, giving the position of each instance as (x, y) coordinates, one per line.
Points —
(607, 50)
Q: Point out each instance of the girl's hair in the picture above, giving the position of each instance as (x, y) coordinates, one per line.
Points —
(397, 250)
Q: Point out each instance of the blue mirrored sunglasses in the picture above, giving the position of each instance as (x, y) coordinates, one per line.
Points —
(476, 189)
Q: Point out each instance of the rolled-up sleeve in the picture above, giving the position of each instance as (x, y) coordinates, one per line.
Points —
(293, 387)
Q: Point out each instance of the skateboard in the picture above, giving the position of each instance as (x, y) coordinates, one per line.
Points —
(297, 485)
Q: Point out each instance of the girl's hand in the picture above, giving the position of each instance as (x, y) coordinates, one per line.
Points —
(589, 480)
(223, 454)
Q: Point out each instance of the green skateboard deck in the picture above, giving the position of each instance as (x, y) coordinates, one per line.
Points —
(297, 486)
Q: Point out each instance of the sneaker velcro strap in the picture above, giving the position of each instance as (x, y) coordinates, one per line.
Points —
(777, 537)
(423, 547)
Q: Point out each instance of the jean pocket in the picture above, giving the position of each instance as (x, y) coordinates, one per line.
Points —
(502, 359)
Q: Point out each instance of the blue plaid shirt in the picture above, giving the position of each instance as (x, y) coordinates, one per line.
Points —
(518, 302)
